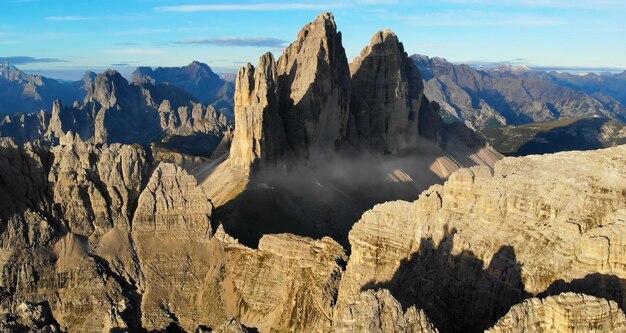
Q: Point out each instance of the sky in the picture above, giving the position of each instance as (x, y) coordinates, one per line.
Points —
(62, 38)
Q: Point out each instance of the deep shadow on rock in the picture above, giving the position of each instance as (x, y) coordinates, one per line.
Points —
(456, 291)
(605, 286)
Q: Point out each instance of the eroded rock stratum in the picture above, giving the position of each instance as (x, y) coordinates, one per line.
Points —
(86, 247)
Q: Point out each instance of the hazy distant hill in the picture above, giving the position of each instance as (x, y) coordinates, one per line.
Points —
(509, 95)
(555, 136)
(196, 78)
(21, 92)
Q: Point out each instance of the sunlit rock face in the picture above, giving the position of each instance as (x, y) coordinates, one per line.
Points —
(567, 312)
(467, 251)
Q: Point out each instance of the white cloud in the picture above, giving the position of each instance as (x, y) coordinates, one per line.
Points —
(96, 18)
(70, 18)
(251, 7)
(565, 4)
(479, 18)
(136, 51)
(142, 31)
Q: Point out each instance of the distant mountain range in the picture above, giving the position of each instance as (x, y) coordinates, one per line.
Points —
(21, 92)
(517, 95)
(116, 111)
(497, 102)
(196, 78)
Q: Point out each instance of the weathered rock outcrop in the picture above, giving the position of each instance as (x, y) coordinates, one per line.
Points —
(379, 312)
(467, 251)
(568, 312)
(386, 96)
(171, 230)
(81, 275)
(259, 135)
(289, 283)
(94, 189)
(25, 127)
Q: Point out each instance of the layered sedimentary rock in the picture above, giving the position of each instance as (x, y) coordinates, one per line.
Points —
(386, 96)
(314, 89)
(54, 244)
(171, 230)
(379, 312)
(568, 312)
(465, 252)
(94, 189)
(289, 283)
(259, 135)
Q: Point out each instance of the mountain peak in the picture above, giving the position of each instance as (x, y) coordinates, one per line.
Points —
(197, 63)
(384, 36)
(512, 68)
(326, 17)
(7, 66)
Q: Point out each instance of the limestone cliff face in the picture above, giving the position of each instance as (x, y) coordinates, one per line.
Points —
(102, 243)
(314, 89)
(379, 312)
(94, 188)
(568, 312)
(386, 95)
(467, 251)
(57, 251)
(171, 230)
(289, 285)
(25, 127)
(259, 135)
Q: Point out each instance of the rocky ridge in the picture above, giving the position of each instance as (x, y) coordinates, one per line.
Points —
(567, 312)
(122, 244)
(509, 96)
(478, 244)
(196, 78)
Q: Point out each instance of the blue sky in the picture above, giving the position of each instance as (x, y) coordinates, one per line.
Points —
(62, 38)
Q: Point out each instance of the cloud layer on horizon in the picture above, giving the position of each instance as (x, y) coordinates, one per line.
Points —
(24, 60)
(235, 41)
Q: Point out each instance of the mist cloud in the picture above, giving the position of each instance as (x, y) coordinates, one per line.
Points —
(235, 41)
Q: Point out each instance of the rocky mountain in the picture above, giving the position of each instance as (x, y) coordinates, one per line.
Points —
(387, 94)
(555, 136)
(598, 85)
(100, 236)
(196, 78)
(509, 95)
(116, 111)
(97, 238)
(24, 93)
(297, 132)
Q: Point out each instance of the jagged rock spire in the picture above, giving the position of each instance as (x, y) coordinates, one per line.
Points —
(387, 91)
(314, 89)
(259, 133)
